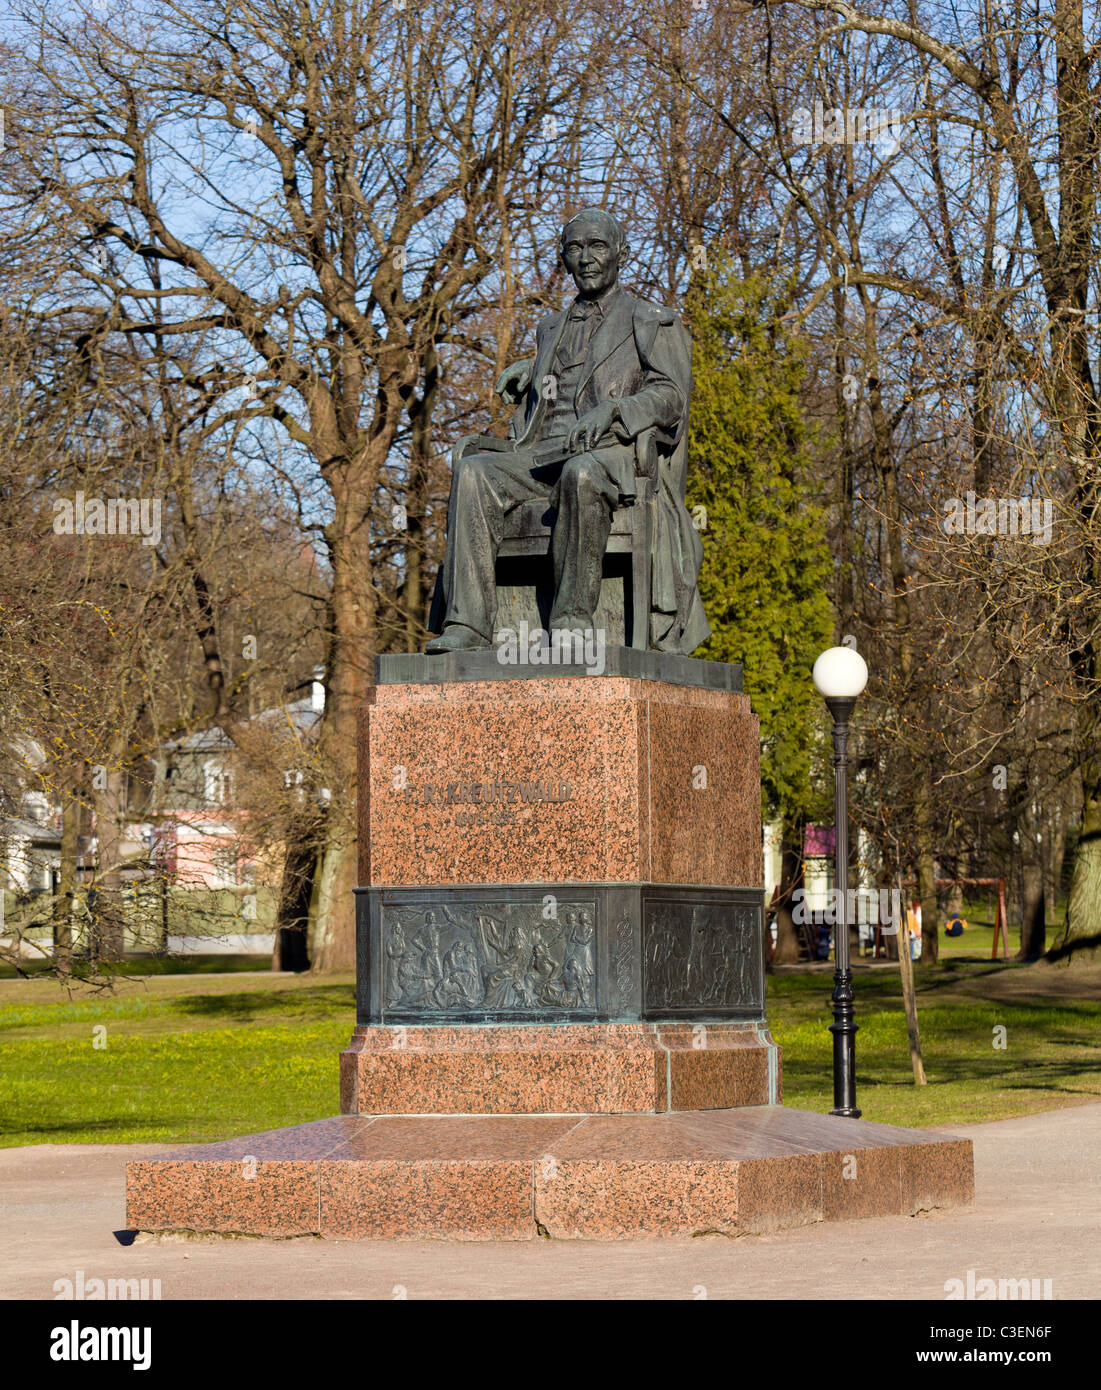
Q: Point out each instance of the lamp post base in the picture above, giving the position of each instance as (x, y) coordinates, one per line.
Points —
(844, 1029)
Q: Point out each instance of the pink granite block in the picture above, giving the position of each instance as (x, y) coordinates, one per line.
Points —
(542, 780)
(859, 1182)
(936, 1174)
(779, 1193)
(598, 1177)
(523, 1083)
(463, 1199)
(478, 1138)
(604, 1199)
(715, 1066)
(314, 1139)
(363, 803)
(247, 1197)
(705, 802)
(546, 1069)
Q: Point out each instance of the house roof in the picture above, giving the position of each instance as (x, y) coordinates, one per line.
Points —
(19, 828)
(203, 741)
(301, 714)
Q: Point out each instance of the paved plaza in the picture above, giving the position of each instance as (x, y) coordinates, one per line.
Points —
(1037, 1215)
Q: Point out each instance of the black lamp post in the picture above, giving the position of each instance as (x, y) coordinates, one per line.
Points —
(840, 674)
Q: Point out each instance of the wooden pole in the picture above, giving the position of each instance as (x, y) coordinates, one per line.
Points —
(906, 971)
(1001, 925)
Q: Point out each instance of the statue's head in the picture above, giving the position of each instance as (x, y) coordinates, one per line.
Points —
(594, 246)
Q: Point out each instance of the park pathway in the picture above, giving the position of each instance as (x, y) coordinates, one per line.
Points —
(1037, 1215)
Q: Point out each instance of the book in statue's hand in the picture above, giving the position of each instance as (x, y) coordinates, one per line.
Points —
(490, 444)
(557, 452)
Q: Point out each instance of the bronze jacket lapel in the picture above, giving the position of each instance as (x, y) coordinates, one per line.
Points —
(616, 329)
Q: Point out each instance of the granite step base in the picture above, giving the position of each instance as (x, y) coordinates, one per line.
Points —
(583, 1069)
(569, 1177)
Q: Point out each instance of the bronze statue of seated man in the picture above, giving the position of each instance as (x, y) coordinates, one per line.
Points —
(604, 400)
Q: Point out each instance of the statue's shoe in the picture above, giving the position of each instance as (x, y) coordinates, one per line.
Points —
(456, 638)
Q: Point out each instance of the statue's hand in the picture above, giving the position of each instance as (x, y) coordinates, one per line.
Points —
(592, 426)
(514, 381)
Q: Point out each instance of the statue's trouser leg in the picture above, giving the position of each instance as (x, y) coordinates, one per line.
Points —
(585, 501)
(484, 488)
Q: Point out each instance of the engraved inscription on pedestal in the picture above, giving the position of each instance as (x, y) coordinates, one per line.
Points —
(450, 959)
(701, 956)
(463, 801)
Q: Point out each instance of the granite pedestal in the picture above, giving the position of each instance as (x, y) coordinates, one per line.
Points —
(561, 999)
(576, 856)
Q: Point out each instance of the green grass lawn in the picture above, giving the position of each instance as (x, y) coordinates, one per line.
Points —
(206, 1057)
(1052, 1053)
(213, 1056)
(141, 966)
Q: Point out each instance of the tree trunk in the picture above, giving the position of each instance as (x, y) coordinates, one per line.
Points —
(292, 916)
(926, 875)
(846, 531)
(1033, 885)
(902, 626)
(909, 999)
(65, 904)
(414, 590)
(1034, 917)
(786, 951)
(791, 878)
(107, 923)
(1067, 282)
(1083, 923)
(1084, 905)
(953, 906)
(1055, 850)
(331, 941)
(353, 629)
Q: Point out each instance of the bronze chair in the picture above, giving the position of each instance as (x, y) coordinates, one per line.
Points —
(529, 529)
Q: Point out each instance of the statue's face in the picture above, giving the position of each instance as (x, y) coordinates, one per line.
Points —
(591, 255)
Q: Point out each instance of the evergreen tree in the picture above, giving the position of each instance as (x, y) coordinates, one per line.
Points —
(766, 561)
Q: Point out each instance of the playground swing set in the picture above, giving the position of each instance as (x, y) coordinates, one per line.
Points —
(809, 930)
(1001, 921)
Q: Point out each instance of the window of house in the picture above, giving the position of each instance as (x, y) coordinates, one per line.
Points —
(225, 867)
(218, 784)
